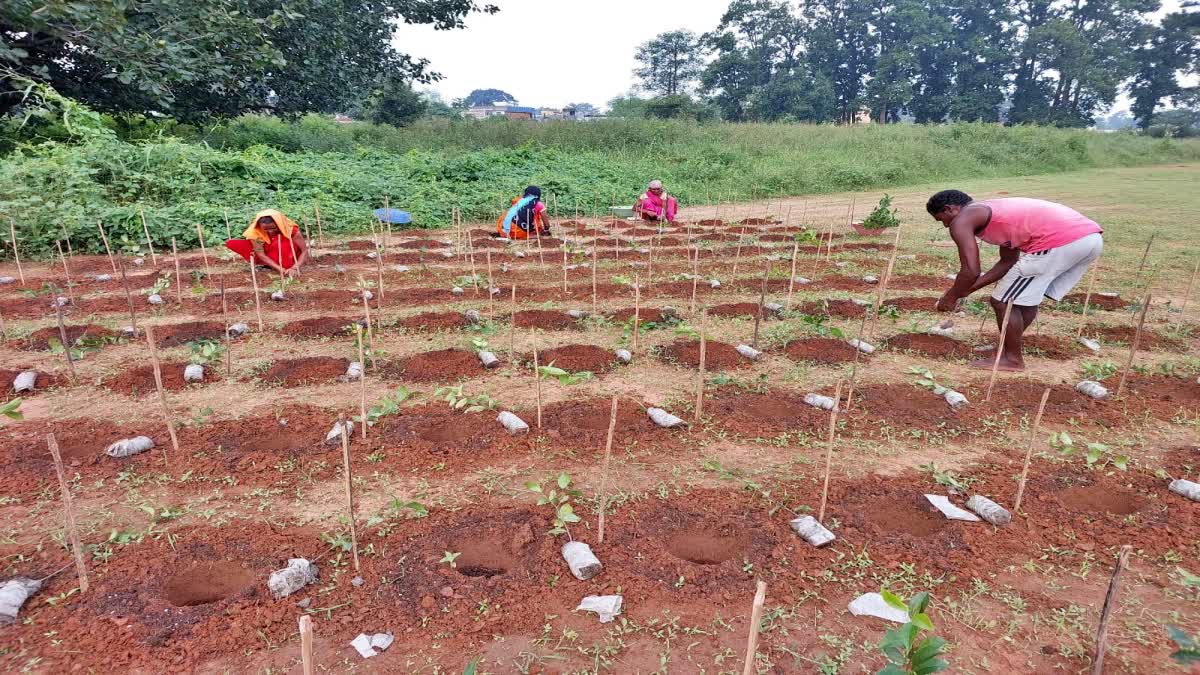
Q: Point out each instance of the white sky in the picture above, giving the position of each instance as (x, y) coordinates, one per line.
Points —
(554, 52)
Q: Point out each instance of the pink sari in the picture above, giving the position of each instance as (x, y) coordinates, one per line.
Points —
(652, 205)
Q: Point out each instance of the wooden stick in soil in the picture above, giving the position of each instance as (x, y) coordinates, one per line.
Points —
(1033, 432)
(756, 612)
(490, 285)
(512, 325)
(149, 241)
(254, 282)
(229, 234)
(362, 382)
(637, 307)
(66, 273)
(107, 250)
(854, 366)
(349, 484)
(12, 233)
(700, 376)
(178, 276)
(695, 279)
(1087, 298)
(1142, 265)
(595, 268)
(69, 513)
(612, 427)
(379, 273)
(564, 268)
(129, 296)
(67, 238)
(204, 251)
(62, 334)
(999, 351)
(762, 298)
(883, 284)
(792, 277)
(1110, 604)
(1133, 347)
(833, 415)
(537, 383)
(306, 644)
(1188, 294)
(3, 329)
(162, 393)
(737, 256)
(370, 332)
(320, 229)
(471, 254)
(228, 338)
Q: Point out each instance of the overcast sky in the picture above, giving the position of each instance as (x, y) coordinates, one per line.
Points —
(554, 52)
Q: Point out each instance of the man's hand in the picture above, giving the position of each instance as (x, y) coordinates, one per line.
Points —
(948, 302)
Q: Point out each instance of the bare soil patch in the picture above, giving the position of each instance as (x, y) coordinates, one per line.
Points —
(717, 355)
(840, 308)
(1105, 302)
(39, 340)
(320, 327)
(434, 321)
(305, 371)
(913, 303)
(938, 346)
(545, 319)
(576, 358)
(822, 350)
(443, 365)
(139, 381)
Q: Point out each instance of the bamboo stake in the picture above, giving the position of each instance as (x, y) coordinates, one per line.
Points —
(178, 276)
(700, 377)
(833, 415)
(3, 329)
(999, 351)
(762, 298)
(737, 257)
(862, 326)
(162, 393)
(1110, 604)
(69, 513)
(67, 238)
(1142, 265)
(637, 313)
(1087, 298)
(62, 333)
(254, 281)
(541, 253)
(471, 253)
(491, 284)
(537, 385)
(379, 273)
(104, 238)
(320, 230)
(756, 612)
(362, 381)
(1037, 421)
(792, 277)
(883, 283)
(228, 338)
(367, 315)
(512, 326)
(204, 251)
(612, 427)
(66, 273)
(595, 268)
(650, 266)
(306, 644)
(149, 241)
(1137, 340)
(349, 485)
(229, 234)
(12, 231)
(1188, 294)
(128, 296)
(695, 279)
(564, 266)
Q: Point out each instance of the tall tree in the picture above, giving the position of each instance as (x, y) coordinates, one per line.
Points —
(670, 63)
(395, 103)
(841, 48)
(756, 41)
(1170, 52)
(480, 97)
(196, 58)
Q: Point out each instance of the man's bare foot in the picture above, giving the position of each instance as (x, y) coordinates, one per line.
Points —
(1005, 364)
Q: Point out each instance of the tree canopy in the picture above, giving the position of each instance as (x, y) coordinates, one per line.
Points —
(670, 63)
(487, 97)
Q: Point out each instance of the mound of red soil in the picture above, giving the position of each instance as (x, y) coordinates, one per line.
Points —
(319, 327)
(902, 406)
(918, 282)
(1164, 397)
(1020, 397)
(737, 309)
(173, 335)
(439, 366)
(434, 321)
(438, 429)
(913, 303)
(717, 355)
(39, 340)
(821, 350)
(755, 221)
(1105, 302)
(752, 414)
(1051, 347)
(423, 244)
(645, 315)
(710, 222)
(360, 245)
(546, 319)
(309, 370)
(140, 381)
(905, 515)
(938, 346)
(576, 358)
(584, 424)
(841, 282)
(44, 380)
(1100, 499)
(1123, 335)
(842, 308)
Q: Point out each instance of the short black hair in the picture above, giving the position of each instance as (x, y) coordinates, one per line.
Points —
(941, 200)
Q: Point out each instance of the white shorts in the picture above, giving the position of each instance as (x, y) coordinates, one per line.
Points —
(1048, 274)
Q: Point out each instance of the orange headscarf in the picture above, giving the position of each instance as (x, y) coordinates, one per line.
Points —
(285, 224)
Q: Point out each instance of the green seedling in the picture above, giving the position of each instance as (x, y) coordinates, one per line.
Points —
(205, 352)
(883, 216)
(449, 557)
(560, 499)
(816, 324)
(413, 509)
(464, 402)
(84, 345)
(900, 645)
(946, 478)
(12, 410)
(160, 285)
(564, 377)
(1097, 455)
(1099, 370)
(388, 405)
(1189, 647)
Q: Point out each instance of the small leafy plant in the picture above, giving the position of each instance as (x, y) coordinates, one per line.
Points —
(560, 499)
(12, 410)
(449, 557)
(1189, 647)
(900, 645)
(816, 324)
(949, 479)
(1097, 455)
(1099, 370)
(388, 405)
(564, 377)
(204, 352)
(464, 402)
(160, 285)
(883, 216)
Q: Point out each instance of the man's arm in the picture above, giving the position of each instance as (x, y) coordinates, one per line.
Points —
(962, 231)
(1008, 258)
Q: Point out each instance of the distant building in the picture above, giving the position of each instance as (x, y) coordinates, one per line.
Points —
(502, 109)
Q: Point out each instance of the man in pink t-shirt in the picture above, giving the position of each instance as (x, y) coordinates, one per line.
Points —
(1045, 249)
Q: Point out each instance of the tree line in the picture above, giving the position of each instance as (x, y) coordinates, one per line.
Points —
(1020, 61)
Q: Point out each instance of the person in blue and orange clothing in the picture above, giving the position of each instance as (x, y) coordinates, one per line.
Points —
(527, 217)
(273, 240)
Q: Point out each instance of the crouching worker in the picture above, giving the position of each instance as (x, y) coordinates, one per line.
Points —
(273, 240)
(655, 204)
(1045, 249)
(527, 217)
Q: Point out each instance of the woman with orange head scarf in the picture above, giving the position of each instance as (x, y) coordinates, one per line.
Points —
(272, 239)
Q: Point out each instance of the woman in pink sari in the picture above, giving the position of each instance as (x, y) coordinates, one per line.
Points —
(655, 204)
